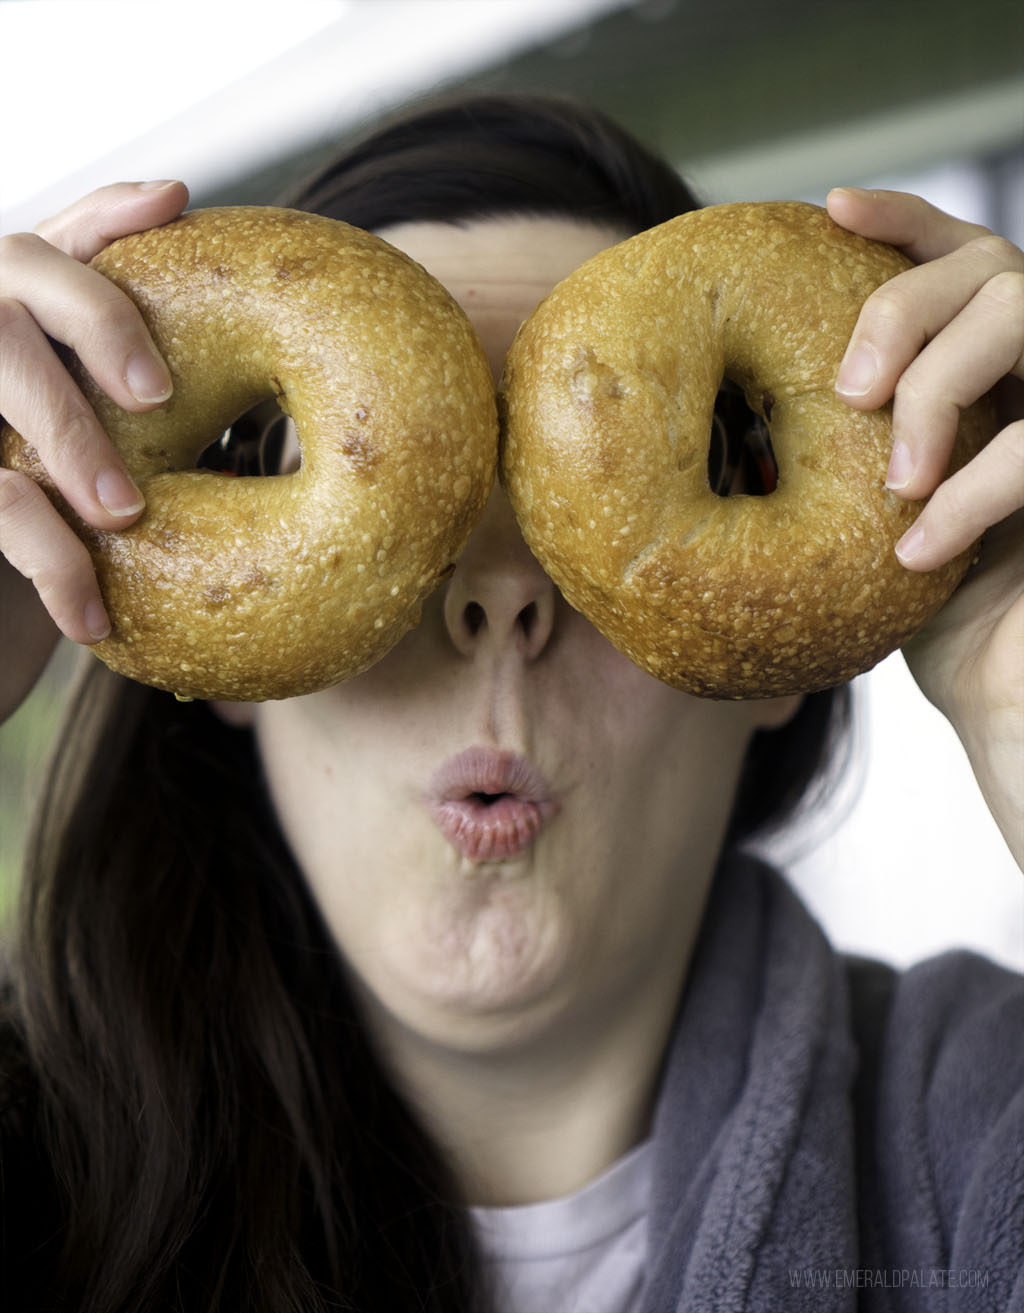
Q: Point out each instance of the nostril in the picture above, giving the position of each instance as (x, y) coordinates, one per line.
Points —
(528, 618)
(475, 618)
(525, 625)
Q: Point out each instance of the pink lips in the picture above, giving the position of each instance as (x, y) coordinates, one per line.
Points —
(489, 805)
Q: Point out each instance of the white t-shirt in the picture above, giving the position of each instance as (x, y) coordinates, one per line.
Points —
(581, 1254)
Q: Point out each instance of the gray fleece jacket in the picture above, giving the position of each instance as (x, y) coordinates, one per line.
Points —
(831, 1135)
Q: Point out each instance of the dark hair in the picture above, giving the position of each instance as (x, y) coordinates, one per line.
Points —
(201, 1104)
(488, 155)
(200, 1119)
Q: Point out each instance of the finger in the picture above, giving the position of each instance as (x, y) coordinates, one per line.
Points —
(39, 399)
(42, 547)
(983, 493)
(982, 345)
(919, 229)
(905, 313)
(83, 229)
(87, 312)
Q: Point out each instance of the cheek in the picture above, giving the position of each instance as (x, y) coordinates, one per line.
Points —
(337, 814)
(662, 765)
(664, 730)
(296, 779)
(308, 776)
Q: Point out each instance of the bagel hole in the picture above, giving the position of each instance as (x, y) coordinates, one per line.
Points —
(254, 445)
(741, 459)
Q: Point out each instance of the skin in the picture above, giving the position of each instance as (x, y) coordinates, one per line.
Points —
(525, 1004)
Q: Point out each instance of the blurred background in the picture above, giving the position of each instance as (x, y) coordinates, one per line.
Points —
(751, 100)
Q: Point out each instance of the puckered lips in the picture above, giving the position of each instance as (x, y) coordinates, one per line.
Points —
(490, 805)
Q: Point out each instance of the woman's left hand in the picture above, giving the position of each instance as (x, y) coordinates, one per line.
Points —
(934, 340)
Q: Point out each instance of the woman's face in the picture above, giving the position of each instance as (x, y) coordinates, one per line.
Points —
(505, 822)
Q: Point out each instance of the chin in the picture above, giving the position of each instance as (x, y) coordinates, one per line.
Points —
(476, 969)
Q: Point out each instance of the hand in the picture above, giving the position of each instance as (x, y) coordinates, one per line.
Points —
(46, 291)
(933, 340)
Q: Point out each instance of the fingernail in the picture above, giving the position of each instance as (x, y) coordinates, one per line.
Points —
(147, 377)
(117, 494)
(909, 546)
(901, 467)
(858, 372)
(97, 621)
(160, 184)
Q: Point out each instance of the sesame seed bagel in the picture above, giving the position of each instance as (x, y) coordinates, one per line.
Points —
(256, 588)
(608, 399)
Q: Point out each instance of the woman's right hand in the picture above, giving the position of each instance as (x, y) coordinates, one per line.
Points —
(47, 291)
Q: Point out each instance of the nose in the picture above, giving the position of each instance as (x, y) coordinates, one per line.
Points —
(498, 595)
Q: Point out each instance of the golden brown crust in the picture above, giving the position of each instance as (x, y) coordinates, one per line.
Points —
(258, 588)
(608, 397)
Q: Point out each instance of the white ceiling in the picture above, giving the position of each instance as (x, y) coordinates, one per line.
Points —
(114, 89)
(214, 90)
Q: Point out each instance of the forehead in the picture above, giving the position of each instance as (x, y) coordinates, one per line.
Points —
(499, 268)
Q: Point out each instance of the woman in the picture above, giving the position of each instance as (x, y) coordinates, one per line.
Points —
(299, 1021)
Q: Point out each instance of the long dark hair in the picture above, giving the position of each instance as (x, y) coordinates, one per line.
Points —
(193, 1113)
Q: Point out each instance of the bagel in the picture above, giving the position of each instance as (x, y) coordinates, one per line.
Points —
(257, 588)
(608, 399)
